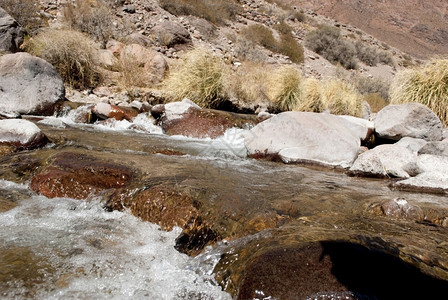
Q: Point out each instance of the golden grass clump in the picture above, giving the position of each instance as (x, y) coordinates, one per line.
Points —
(286, 88)
(311, 96)
(70, 52)
(249, 83)
(341, 98)
(427, 85)
(199, 76)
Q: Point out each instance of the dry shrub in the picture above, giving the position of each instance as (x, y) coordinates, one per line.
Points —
(199, 76)
(70, 52)
(376, 101)
(286, 88)
(366, 85)
(287, 45)
(132, 73)
(328, 42)
(25, 12)
(249, 83)
(92, 17)
(427, 85)
(341, 98)
(215, 11)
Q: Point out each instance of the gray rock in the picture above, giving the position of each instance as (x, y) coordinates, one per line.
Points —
(304, 137)
(29, 85)
(412, 144)
(171, 34)
(359, 127)
(427, 181)
(435, 148)
(384, 161)
(11, 33)
(21, 134)
(445, 134)
(408, 120)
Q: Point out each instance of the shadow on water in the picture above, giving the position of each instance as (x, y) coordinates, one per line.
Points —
(336, 270)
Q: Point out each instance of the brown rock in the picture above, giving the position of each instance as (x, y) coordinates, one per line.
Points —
(107, 111)
(201, 123)
(79, 176)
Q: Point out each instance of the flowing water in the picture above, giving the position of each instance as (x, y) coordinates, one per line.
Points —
(63, 248)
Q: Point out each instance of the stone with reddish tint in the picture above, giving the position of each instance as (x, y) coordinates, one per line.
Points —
(107, 111)
(79, 176)
(189, 120)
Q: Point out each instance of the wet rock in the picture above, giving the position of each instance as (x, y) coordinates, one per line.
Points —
(412, 144)
(384, 161)
(29, 85)
(79, 176)
(328, 269)
(298, 137)
(187, 119)
(400, 208)
(106, 111)
(11, 33)
(171, 34)
(408, 120)
(21, 134)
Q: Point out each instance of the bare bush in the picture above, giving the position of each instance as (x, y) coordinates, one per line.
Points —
(93, 18)
(25, 12)
(328, 42)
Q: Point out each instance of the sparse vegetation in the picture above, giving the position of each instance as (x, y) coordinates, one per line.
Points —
(371, 56)
(427, 85)
(25, 12)
(216, 11)
(287, 45)
(376, 101)
(286, 88)
(328, 42)
(91, 17)
(366, 85)
(70, 52)
(199, 76)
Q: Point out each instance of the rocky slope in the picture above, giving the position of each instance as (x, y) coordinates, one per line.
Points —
(417, 27)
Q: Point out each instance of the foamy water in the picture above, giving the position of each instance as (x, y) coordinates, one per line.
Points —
(94, 254)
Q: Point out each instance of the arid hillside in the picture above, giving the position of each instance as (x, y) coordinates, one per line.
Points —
(417, 27)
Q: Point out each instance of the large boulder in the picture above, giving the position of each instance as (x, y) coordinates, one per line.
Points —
(384, 161)
(408, 120)
(435, 148)
(305, 137)
(412, 144)
(29, 85)
(426, 182)
(11, 33)
(171, 34)
(21, 134)
(151, 62)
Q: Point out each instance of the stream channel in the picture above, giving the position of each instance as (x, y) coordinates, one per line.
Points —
(273, 231)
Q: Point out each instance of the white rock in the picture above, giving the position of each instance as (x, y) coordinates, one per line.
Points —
(21, 133)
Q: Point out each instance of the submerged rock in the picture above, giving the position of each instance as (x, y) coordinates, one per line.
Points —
(29, 85)
(79, 176)
(21, 134)
(298, 137)
(408, 120)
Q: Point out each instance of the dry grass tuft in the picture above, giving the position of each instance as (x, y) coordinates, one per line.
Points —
(199, 76)
(427, 85)
(311, 96)
(341, 98)
(286, 88)
(70, 52)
